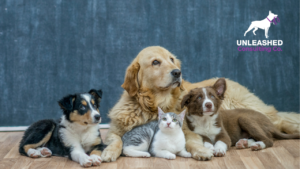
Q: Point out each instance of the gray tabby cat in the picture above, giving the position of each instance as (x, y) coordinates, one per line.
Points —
(163, 138)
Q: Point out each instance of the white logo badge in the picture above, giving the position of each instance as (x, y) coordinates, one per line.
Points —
(263, 24)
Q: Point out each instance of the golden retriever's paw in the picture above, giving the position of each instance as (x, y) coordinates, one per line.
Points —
(257, 146)
(110, 154)
(202, 154)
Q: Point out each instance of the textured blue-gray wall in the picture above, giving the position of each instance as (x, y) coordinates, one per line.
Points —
(50, 48)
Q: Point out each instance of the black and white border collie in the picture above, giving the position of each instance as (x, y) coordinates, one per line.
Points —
(76, 134)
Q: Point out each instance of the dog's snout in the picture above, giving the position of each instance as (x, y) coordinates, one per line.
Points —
(208, 105)
(176, 73)
(97, 117)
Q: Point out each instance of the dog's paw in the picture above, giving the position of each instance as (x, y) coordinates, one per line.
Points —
(202, 154)
(33, 153)
(209, 145)
(96, 159)
(257, 146)
(220, 149)
(45, 152)
(242, 143)
(85, 161)
(110, 154)
(219, 152)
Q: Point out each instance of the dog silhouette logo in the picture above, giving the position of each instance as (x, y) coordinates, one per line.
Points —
(263, 24)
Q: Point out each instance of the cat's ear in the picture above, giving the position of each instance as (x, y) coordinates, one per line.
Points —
(160, 113)
(182, 114)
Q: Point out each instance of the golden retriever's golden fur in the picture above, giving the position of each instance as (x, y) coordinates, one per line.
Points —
(148, 86)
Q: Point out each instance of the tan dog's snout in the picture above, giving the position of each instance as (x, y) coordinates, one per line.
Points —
(176, 73)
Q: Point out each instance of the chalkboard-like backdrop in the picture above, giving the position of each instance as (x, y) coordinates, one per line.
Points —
(50, 48)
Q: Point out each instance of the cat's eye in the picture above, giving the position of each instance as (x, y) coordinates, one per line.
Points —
(212, 96)
(82, 107)
(174, 120)
(164, 119)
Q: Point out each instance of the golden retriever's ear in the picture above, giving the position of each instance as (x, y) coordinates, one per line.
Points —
(186, 100)
(131, 81)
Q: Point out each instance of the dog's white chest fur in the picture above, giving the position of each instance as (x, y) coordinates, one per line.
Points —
(75, 134)
(205, 125)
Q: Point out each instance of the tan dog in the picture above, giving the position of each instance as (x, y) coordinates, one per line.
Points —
(149, 83)
(220, 129)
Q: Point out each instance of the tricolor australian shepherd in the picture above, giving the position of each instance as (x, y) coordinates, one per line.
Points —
(76, 134)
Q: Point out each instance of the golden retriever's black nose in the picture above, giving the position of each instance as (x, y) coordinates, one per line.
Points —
(97, 117)
(176, 73)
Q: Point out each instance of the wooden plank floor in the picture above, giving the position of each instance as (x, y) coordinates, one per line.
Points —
(284, 154)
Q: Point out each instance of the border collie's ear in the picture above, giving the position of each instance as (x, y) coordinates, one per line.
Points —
(131, 79)
(97, 94)
(186, 100)
(66, 103)
(220, 87)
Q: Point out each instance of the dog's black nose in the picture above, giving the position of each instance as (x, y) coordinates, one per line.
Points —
(176, 73)
(97, 117)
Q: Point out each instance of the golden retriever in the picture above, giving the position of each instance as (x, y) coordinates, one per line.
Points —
(154, 79)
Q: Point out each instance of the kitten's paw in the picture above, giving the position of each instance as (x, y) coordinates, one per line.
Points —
(202, 154)
(85, 161)
(96, 159)
(257, 146)
(170, 156)
(111, 153)
(242, 143)
(186, 154)
(146, 155)
(209, 145)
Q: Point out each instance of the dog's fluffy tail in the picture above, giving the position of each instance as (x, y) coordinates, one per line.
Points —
(289, 122)
(278, 135)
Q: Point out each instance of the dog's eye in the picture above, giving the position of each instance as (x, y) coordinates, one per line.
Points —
(95, 106)
(172, 60)
(212, 96)
(199, 97)
(164, 119)
(174, 120)
(82, 107)
(155, 62)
